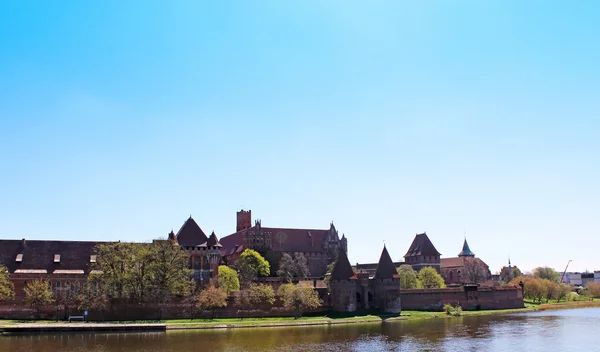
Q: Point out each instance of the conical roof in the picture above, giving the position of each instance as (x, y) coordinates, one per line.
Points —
(385, 268)
(213, 241)
(466, 251)
(342, 270)
(190, 234)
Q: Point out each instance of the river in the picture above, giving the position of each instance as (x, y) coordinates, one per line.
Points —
(558, 330)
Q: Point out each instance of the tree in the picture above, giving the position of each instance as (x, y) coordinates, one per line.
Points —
(301, 266)
(251, 264)
(170, 274)
(429, 278)
(551, 289)
(93, 296)
(38, 294)
(474, 271)
(408, 277)
(298, 297)
(516, 272)
(286, 268)
(228, 279)
(594, 289)
(143, 272)
(328, 275)
(546, 273)
(261, 295)
(533, 288)
(211, 298)
(563, 292)
(7, 288)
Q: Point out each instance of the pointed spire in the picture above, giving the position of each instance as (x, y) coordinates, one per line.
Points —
(466, 251)
(385, 268)
(342, 270)
(213, 241)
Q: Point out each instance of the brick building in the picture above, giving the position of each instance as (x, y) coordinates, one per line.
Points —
(351, 292)
(67, 264)
(422, 253)
(453, 269)
(319, 246)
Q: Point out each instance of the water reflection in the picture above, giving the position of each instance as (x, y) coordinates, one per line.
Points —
(567, 330)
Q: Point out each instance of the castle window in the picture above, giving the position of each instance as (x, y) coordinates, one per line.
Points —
(92, 258)
(57, 258)
(19, 258)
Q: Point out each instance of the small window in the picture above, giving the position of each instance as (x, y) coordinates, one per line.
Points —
(19, 258)
(57, 258)
(92, 258)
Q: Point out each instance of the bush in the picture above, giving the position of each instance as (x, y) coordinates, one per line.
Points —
(453, 310)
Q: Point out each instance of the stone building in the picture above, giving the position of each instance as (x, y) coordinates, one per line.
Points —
(351, 292)
(319, 246)
(453, 269)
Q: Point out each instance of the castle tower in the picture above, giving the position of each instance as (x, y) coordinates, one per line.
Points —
(343, 283)
(244, 218)
(466, 251)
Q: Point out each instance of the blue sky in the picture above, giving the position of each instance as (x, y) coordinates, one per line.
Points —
(120, 119)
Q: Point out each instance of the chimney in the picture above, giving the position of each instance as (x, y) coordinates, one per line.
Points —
(24, 242)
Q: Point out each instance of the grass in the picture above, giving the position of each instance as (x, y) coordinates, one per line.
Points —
(327, 319)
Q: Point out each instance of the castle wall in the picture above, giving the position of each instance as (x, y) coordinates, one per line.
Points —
(343, 295)
(482, 298)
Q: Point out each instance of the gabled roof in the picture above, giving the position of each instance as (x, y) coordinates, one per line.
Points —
(385, 268)
(213, 241)
(342, 270)
(190, 234)
(421, 245)
(466, 251)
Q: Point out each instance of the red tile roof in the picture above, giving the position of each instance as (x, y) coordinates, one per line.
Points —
(213, 241)
(456, 262)
(190, 234)
(421, 245)
(385, 268)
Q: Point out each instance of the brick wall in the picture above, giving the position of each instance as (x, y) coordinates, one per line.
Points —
(481, 298)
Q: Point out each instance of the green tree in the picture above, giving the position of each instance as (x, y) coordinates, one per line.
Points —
(327, 279)
(261, 294)
(552, 288)
(211, 298)
(7, 288)
(251, 264)
(299, 298)
(228, 279)
(286, 268)
(408, 277)
(38, 294)
(546, 273)
(429, 278)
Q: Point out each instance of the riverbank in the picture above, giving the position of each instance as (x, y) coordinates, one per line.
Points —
(231, 323)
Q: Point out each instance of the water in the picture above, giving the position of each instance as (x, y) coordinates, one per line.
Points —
(561, 330)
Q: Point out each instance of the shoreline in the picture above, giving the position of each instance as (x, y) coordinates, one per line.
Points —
(15, 327)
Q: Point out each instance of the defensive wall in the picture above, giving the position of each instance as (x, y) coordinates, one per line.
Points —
(468, 297)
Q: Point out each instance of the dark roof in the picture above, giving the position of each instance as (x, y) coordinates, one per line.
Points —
(213, 241)
(191, 235)
(421, 245)
(385, 268)
(40, 255)
(284, 239)
(342, 270)
(466, 251)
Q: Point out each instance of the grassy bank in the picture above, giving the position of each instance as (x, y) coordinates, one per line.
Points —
(224, 323)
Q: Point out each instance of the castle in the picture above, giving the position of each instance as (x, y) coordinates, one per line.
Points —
(318, 246)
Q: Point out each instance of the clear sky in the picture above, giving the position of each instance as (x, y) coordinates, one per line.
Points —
(119, 119)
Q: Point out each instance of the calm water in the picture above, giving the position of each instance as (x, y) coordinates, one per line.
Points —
(566, 330)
